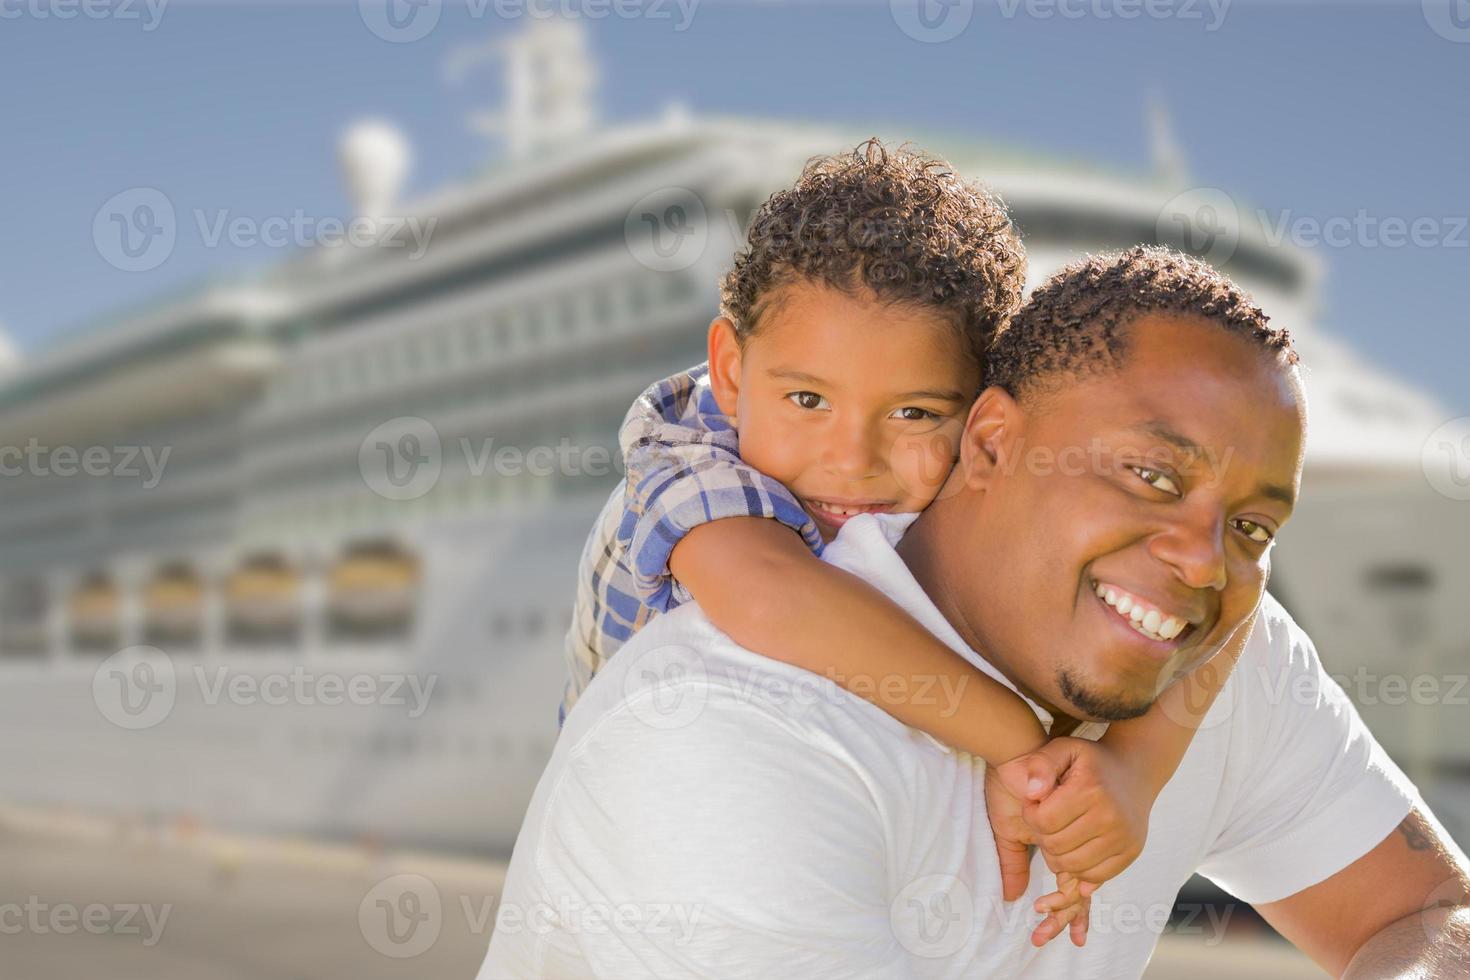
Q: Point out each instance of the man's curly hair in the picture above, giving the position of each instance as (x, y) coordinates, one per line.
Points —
(895, 221)
(1074, 324)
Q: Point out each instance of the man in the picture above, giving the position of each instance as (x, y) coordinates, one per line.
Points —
(712, 813)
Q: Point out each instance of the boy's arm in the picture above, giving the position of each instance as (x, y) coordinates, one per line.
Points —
(684, 470)
(760, 584)
(1157, 741)
(1096, 823)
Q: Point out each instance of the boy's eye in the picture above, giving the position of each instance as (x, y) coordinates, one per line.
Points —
(912, 413)
(1156, 479)
(1256, 532)
(808, 400)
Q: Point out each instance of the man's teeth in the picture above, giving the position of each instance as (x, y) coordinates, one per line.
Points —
(1149, 621)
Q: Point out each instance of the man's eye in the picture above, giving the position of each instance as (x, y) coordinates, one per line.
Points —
(1156, 479)
(808, 399)
(1256, 532)
(912, 413)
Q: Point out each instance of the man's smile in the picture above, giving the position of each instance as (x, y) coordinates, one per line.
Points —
(1166, 629)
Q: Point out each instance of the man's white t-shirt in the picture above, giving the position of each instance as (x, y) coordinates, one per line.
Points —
(709, 812)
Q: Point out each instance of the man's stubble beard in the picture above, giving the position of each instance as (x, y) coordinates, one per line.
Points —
(1090, 704)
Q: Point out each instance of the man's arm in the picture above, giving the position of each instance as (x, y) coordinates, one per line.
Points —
(1401, 910)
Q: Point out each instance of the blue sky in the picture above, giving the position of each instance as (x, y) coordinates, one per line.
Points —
(1307, 111)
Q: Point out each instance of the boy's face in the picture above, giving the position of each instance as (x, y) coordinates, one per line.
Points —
(1163, 482)
(855, 405)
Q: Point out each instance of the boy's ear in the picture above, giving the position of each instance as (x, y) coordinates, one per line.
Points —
(724, 365)
(991, 433)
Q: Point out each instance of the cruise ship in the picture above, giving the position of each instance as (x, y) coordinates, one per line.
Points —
(333, 603)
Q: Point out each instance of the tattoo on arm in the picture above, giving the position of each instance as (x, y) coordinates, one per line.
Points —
(1415, 837)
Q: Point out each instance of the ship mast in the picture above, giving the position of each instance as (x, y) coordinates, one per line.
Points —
(550, 82)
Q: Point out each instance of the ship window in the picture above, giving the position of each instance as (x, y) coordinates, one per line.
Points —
(637, 297)
(23, 612)
(601, 305)
(93, 612)
(262, 600)
(174, 607)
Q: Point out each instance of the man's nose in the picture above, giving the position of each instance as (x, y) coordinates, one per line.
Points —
(853, 451)
(1194, 546)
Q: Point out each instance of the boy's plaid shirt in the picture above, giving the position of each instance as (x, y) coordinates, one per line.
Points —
(683, 468)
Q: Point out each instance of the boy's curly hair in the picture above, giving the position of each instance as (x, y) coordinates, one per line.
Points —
(896, 221)
(1074, 323)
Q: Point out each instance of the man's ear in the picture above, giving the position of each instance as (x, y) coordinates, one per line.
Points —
(724, 365)
(989, 435)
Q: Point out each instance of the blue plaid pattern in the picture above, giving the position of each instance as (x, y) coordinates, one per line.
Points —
(683, 469)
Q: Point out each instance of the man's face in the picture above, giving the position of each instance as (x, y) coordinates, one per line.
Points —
(854, 404)
(1158, 487)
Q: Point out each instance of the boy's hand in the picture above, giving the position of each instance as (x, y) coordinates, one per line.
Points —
(1008, 789)
(1094, 824)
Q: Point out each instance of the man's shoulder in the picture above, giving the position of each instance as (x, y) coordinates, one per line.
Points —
(1279, 655)
(682, 674)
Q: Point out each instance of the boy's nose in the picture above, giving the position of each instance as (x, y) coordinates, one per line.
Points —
(853, 453)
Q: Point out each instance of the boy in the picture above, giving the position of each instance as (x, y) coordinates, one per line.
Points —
(841, 369)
